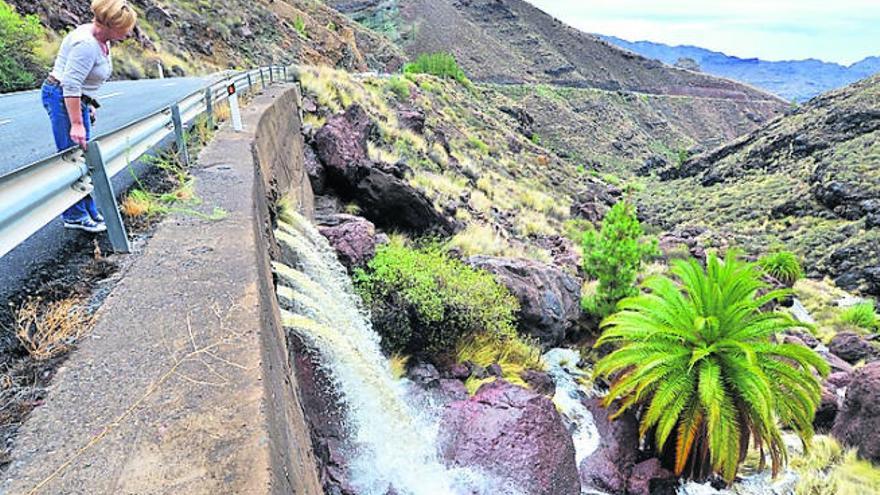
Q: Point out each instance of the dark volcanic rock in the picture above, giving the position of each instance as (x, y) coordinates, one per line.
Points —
(852, 348)
(609, 467)
(549, 297)
(827, 410)
(391, 203)
(412, 119)
(858, 422)
(524, 121)
(539, 382)
(354, 239)
(342, 144)
(653, 163)
(646, 477)
(424, 374)
(594, 201)
(513, 434)
(315, 170)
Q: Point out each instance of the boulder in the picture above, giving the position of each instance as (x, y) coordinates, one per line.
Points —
(424, 375)
(646, 476)
(827, 411)
(342, 144)
(836, 364)
(525, 121)
(391, 203)
(315, 170)
(609, 467)
(549, 298)
(354, 239)
(513, 434)
(540, 382)
(852, 348)
(654, 162)
(594, 201)
(412, 119)
(858, 422)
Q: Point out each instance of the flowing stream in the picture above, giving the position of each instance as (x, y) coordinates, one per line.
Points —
(393, 446)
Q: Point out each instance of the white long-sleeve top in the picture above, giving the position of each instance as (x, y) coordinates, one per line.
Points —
(81, 65)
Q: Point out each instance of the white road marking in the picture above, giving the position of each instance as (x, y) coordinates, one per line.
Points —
(4, 122)
(110, 95)
(169, 84)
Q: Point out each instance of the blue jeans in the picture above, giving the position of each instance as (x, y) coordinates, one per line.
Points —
(53, 102)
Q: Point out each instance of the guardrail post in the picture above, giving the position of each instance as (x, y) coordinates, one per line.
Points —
(180, 135)
(106, 199)
(286, 79)
(271, 75)
(209, 107)
(250, 83)
(262, 79)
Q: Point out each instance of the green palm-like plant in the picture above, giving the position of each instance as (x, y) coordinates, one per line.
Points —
(783, 266)
(697, 356)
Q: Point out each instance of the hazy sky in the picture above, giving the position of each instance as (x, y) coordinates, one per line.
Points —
(842, 31)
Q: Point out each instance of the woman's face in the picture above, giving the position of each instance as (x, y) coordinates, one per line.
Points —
(119, 34)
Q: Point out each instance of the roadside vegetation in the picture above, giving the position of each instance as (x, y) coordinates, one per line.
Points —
(20, 38)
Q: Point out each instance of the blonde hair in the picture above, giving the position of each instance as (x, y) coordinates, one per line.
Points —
(114, 14)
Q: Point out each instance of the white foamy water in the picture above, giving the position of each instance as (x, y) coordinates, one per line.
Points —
(393, 446)
(561, 365)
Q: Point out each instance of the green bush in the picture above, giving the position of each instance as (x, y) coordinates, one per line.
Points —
(299, 24)
(437, 64)
(424, 301)
(614, 255)
(861, 315)
(399, 86)
(697, 356)
(19, 65)
(783, 266)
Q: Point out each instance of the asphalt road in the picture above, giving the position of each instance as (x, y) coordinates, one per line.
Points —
(25, 133)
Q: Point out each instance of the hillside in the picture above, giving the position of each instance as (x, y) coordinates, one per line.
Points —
(810, 180)
(797, 80)
(194, 37)
(512, 42)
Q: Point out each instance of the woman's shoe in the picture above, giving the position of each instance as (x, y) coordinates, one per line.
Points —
(86, 224)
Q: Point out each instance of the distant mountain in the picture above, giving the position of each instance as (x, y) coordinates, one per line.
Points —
(793, 80)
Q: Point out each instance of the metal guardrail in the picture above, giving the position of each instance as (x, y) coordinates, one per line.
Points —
(33, 196)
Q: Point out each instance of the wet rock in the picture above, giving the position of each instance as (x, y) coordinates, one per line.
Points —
(452, 390)
(549, 297)
(540, 382)
(647, 476)
(424, 375)
(858, 422)
(412, 119)
(514, 434)
(609, 467)
(354, 239)
(852, 348)
(459, 371)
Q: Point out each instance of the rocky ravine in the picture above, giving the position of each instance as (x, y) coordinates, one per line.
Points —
(810, 180)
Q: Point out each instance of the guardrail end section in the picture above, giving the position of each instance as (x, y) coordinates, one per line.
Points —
(106, 199)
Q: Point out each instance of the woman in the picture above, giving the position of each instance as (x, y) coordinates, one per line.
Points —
(83, 64)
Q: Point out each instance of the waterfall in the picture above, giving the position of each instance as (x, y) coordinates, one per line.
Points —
(392, 445)
(562, 367)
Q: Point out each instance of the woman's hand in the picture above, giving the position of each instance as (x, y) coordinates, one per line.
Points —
(78, 134)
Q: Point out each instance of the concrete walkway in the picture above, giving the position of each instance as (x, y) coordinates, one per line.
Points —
(183, 386)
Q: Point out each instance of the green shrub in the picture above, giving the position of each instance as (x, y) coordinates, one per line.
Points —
(614, 255)
(783, 266)
(861, 315)
(399, 86)
(299, 24)
(437, 64)
(424, 301)
(19, 36)
(697, 358)
(478, 144)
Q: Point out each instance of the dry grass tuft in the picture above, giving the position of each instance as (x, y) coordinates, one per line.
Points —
(48, 330)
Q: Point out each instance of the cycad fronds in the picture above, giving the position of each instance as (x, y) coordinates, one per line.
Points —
(696, 354)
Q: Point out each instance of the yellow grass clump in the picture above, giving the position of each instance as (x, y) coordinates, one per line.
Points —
(47, 330)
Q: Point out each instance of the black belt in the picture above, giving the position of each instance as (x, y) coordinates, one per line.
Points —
(88, 100)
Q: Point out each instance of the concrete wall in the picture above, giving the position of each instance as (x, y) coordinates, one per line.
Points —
(184, 385)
